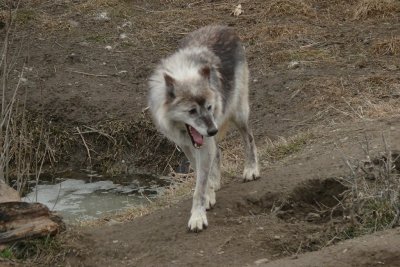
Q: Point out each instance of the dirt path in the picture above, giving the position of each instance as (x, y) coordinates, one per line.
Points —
(242, 227)
(380, 249)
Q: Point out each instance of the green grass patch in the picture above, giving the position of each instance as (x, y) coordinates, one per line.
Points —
(6, 254)
(25, 16)
(97, 38)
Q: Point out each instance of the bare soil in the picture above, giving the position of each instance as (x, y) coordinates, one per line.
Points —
(244, 227)
(329, 69)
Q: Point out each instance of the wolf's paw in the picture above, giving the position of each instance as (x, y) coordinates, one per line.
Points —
(215, 183)
(198, 221)
(210, 198)
(217, 186)
(251, 174)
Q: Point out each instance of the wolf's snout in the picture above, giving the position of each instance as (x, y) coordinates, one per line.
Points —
(212, 131)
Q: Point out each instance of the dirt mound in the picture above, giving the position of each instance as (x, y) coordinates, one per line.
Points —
(316, 201)
(380, 249)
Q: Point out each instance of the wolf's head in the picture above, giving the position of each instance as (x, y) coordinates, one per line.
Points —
(194, 103)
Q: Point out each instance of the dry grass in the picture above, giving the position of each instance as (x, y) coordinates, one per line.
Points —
(232, 156)
(116, 147)
(90, 5)
(304, 55)
(20, 157)
(46, 251)
(356, 97)
(387, 47)
(34, 16)
(372, 201)
(366, 9)
(282, 147)
(268, 151)
(266, 37)
(290, 8)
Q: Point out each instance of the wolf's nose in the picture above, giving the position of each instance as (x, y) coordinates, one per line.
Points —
(212, 132)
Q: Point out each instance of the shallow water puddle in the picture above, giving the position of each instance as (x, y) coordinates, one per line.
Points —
(80, 200)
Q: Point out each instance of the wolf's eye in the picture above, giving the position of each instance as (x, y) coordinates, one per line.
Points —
(209, 107)
(193, 111)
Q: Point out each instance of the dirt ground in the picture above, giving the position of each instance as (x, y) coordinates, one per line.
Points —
(328, 70)
(242, 227)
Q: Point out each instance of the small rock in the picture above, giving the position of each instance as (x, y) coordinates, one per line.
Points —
(127, 24)
(123, 36)
(367, 41)
(293, 65)
(85, 44)
(73, 58)
(113, 222)
(238, 11)
(103, 16)
(115, 241)
(361, 64)
(394, 86)
(391, 67)
(122, 72)
(73, 23)
(311, 216)
(108, 47)
(277, 237)
(261, 261)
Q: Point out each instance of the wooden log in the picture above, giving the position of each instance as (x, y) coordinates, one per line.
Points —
(12, 211)
(23, 229)
(22, 220)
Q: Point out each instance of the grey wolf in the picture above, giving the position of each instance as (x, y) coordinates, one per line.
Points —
(194, 93)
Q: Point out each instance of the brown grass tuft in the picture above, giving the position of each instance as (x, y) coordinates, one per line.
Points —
(45, 251)
(387, 47)
(274, 33)
(287, 7)
(373, 8)
(372, 200)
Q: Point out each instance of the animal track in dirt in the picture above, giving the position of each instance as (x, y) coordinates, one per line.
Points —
(316, 201)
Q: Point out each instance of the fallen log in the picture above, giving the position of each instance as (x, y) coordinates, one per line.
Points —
(22, 220)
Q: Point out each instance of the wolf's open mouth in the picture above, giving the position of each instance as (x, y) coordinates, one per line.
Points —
(195, 136)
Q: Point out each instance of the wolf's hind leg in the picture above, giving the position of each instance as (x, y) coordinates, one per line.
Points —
(251, 170)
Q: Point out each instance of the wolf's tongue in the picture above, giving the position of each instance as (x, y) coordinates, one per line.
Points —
(197, 137)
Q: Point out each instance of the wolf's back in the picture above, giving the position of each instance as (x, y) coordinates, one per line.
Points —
(225, 44)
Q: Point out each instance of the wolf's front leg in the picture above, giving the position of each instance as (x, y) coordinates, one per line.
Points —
(201, 198)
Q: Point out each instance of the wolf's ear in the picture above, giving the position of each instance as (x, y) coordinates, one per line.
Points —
(205, 72)
(169, 81)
